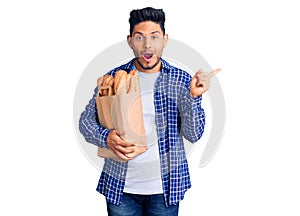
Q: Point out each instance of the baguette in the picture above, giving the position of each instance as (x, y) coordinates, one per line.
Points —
(109, 81)
(99, 83)
(106, 81)
(134, 72)
(128, 82)
(135, 85)
(120, 82)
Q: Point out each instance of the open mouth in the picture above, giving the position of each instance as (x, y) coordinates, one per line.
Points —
(147, 56)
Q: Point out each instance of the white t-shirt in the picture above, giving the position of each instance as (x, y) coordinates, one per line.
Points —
(143, 174)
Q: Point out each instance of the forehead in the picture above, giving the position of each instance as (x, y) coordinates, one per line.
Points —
(147, 27)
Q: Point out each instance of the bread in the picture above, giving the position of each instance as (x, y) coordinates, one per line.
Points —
(134, 72)
(128, 82)
(99, 81)
(121, 83)
(108, 81)
(134, 84)
(105, 85)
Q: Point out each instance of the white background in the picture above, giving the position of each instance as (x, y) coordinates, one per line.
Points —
(46, 45)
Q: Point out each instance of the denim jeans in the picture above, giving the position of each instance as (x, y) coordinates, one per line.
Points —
(142, 205)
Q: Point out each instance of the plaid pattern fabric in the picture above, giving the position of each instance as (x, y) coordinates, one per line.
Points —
(177, 115)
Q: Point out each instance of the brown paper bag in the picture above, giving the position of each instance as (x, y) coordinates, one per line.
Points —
(122, 112)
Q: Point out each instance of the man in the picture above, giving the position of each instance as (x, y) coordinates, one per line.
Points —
(154, 182)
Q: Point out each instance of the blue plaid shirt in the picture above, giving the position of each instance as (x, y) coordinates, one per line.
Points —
(177, 115)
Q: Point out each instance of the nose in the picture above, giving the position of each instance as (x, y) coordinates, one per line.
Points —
(147, 42)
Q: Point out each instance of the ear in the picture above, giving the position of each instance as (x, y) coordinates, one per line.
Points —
(129, 41)
(166, 37)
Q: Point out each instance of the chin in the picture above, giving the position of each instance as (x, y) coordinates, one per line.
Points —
(148, 65)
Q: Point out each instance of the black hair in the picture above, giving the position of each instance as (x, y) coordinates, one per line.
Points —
(147, 14)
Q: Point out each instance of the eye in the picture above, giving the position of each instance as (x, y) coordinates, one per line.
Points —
(154, 37)
(139, 38)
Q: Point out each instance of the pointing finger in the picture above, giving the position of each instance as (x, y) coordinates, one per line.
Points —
(214, 72)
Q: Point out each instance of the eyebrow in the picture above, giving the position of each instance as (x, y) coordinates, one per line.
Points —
(155, 32)
(140, 33)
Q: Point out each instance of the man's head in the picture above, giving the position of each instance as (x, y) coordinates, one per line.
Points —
(147, 37)
(147, 14)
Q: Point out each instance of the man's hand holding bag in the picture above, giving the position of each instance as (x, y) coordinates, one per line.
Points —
(119, 107)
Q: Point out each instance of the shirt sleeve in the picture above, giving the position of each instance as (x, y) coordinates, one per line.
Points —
(89, 125)
(192, 116)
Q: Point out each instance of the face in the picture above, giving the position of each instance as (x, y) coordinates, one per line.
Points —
(147, 42)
